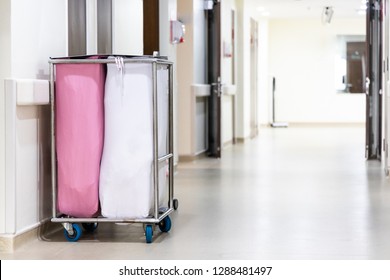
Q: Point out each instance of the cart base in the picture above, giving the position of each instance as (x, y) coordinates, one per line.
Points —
(73, 231)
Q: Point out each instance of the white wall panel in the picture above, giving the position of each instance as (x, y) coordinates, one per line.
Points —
(128, 27)
(168, 12)
(31, 32)
(38, 32)
(5, 69)
(302, 58)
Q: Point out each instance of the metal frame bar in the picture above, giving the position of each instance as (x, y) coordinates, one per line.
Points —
(53, 148)
(108, 60)
(170, 140)
(157, 216)
(155, 139)
(100, 219)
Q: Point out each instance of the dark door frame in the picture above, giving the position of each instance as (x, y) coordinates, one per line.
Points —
(214, 78)
(374, 80)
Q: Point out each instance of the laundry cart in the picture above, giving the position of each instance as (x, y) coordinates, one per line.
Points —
(112, 142)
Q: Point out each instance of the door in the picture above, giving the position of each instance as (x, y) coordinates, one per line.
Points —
(151, 26)
(356, 53)
(214, 79)
(374, 81)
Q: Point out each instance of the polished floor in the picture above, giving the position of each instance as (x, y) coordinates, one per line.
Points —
(292, 193)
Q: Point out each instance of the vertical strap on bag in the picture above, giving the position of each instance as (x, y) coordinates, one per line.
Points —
(121, 68)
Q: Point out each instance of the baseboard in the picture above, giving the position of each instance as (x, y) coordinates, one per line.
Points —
(10, 242)
(6, 244)
(189, 158)
(325, 124)
(228, 143)
(241, 140)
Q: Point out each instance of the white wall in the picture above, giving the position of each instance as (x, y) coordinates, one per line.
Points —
(168, 12)
(5, 70)
(302, 58)
(244, 10)
(186, 60)
(38, 31)
(27, 172)
(227, 69)
(226, 40)
(263, 75)
(127, 27)
(31, 32)
(199, 43)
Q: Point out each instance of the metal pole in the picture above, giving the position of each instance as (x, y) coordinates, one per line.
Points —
(273, 98)
(155, 140)
(171, 146)
(274, 123)
(53, 149)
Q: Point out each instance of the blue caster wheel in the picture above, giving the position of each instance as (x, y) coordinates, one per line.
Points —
(175, 204)
(90, 227)
(149, 233)
(76, 233)
(166, 224)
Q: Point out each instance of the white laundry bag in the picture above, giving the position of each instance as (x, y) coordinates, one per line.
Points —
(126, 176)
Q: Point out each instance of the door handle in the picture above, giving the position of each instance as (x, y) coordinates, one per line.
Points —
(217, 87)
(367, 85)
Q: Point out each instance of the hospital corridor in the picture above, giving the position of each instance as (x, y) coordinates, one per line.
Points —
(194, 130)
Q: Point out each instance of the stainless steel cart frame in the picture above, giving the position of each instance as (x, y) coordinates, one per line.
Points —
(158, 217)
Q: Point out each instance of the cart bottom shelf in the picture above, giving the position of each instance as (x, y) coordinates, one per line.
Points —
(73, 231)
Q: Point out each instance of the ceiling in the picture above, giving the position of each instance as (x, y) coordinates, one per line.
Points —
(308, 8)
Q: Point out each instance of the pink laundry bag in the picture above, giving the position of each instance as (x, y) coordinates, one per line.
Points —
(79, 128)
